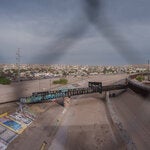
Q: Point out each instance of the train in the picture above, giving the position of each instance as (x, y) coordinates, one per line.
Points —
(38, 97)
(44, 96)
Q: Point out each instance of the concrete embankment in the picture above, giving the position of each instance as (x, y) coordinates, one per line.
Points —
(138, 86)
(117, 124)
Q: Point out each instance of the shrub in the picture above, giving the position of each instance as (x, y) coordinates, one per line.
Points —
(140, 78)
(4, 80)
(60, 81)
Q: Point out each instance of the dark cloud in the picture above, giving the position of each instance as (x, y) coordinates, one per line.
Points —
(94, 11)
(56, 26)
(47, 30)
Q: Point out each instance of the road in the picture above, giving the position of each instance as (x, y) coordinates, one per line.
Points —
(134, 112)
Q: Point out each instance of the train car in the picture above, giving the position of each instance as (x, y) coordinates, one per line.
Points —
(37, 97)
(31, 99)
(43, 96)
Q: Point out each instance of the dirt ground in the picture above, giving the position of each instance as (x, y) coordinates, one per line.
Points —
(26, 88)
(85, 127)
(134, 112)
(49, 116)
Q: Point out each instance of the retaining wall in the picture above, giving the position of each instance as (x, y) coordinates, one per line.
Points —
(127, 140)
(138, 86)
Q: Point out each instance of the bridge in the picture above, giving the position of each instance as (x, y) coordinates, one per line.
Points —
(93, 87)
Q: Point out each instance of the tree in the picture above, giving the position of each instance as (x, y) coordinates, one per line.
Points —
(104, 70)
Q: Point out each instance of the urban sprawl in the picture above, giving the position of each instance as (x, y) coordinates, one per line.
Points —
(35, 71)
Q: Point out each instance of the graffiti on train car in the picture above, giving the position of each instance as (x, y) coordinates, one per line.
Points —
(50, 95)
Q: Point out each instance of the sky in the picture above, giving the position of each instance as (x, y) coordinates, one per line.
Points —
(87, 32)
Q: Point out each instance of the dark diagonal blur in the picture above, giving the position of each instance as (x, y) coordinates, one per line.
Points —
(93, 13)
(96, 15)
(71, 34)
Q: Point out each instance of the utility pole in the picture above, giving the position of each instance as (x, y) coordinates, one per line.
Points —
(50, 83)
(18, 63)
(39, 83)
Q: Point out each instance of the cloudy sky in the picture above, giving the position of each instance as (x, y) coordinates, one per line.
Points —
(93, 32)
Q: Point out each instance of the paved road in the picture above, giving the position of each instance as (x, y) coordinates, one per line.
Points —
(134, 112)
